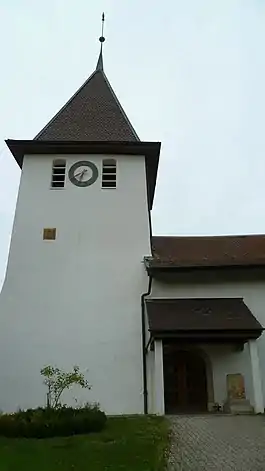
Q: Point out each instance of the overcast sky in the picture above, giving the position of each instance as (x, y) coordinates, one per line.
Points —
(190, 74)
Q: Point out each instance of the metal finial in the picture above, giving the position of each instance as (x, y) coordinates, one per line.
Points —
(102, 39)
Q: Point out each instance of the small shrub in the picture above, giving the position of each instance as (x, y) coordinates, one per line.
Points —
(49, 422)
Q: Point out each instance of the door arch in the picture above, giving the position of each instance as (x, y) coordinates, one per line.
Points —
(185, 380)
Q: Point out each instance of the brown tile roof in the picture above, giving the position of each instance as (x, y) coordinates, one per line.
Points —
(184, 252)
(92, 114)
(212, 314)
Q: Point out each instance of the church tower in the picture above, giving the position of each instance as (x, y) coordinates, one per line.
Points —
(75, 274)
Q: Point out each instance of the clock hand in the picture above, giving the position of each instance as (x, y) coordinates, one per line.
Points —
(77, 174)
(82, 173)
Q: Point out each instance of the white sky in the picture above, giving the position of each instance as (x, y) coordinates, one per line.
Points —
(190, 74)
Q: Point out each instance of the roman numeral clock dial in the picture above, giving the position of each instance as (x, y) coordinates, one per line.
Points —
(83, 173)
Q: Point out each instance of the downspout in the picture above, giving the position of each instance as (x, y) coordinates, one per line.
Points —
(145, 392)
(143, 296)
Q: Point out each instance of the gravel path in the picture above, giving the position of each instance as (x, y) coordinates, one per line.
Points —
(217, 443)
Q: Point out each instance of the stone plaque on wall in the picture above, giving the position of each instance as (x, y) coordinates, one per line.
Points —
(235, 386)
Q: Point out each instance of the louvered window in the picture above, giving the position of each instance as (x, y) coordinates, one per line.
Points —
(109, 173)
(58, 173)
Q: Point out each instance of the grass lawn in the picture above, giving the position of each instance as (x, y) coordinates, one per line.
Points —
(127, 443)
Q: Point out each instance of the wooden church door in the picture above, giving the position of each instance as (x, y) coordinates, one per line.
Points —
(185, 383)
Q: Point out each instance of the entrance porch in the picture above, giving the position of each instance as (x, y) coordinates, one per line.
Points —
(191, 370)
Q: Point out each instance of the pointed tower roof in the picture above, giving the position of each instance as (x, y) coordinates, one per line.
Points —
(92, 114)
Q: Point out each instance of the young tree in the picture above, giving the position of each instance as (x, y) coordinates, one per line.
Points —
(57, 381)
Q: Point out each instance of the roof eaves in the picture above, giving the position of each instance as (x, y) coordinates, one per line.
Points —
(160, 264)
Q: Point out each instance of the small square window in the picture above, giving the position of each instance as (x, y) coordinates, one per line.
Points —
(49, 234)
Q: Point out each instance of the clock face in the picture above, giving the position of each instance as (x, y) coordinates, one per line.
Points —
(83, 173)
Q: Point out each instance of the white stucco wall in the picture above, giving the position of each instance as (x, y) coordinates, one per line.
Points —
(76, 300)
(225, 358)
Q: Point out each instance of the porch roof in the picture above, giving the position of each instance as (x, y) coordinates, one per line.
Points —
(202, 318)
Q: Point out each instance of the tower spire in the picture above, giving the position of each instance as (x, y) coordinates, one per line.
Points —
(101, 40)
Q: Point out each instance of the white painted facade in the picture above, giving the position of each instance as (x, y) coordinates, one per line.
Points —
(225, 359)
(76, 300)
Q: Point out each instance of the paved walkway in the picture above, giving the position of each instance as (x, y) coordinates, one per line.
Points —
(217, 443)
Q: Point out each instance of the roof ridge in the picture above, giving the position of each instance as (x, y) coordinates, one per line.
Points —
(220, 236)
(200, 299)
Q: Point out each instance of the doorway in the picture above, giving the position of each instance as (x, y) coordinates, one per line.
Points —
(185, 383)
